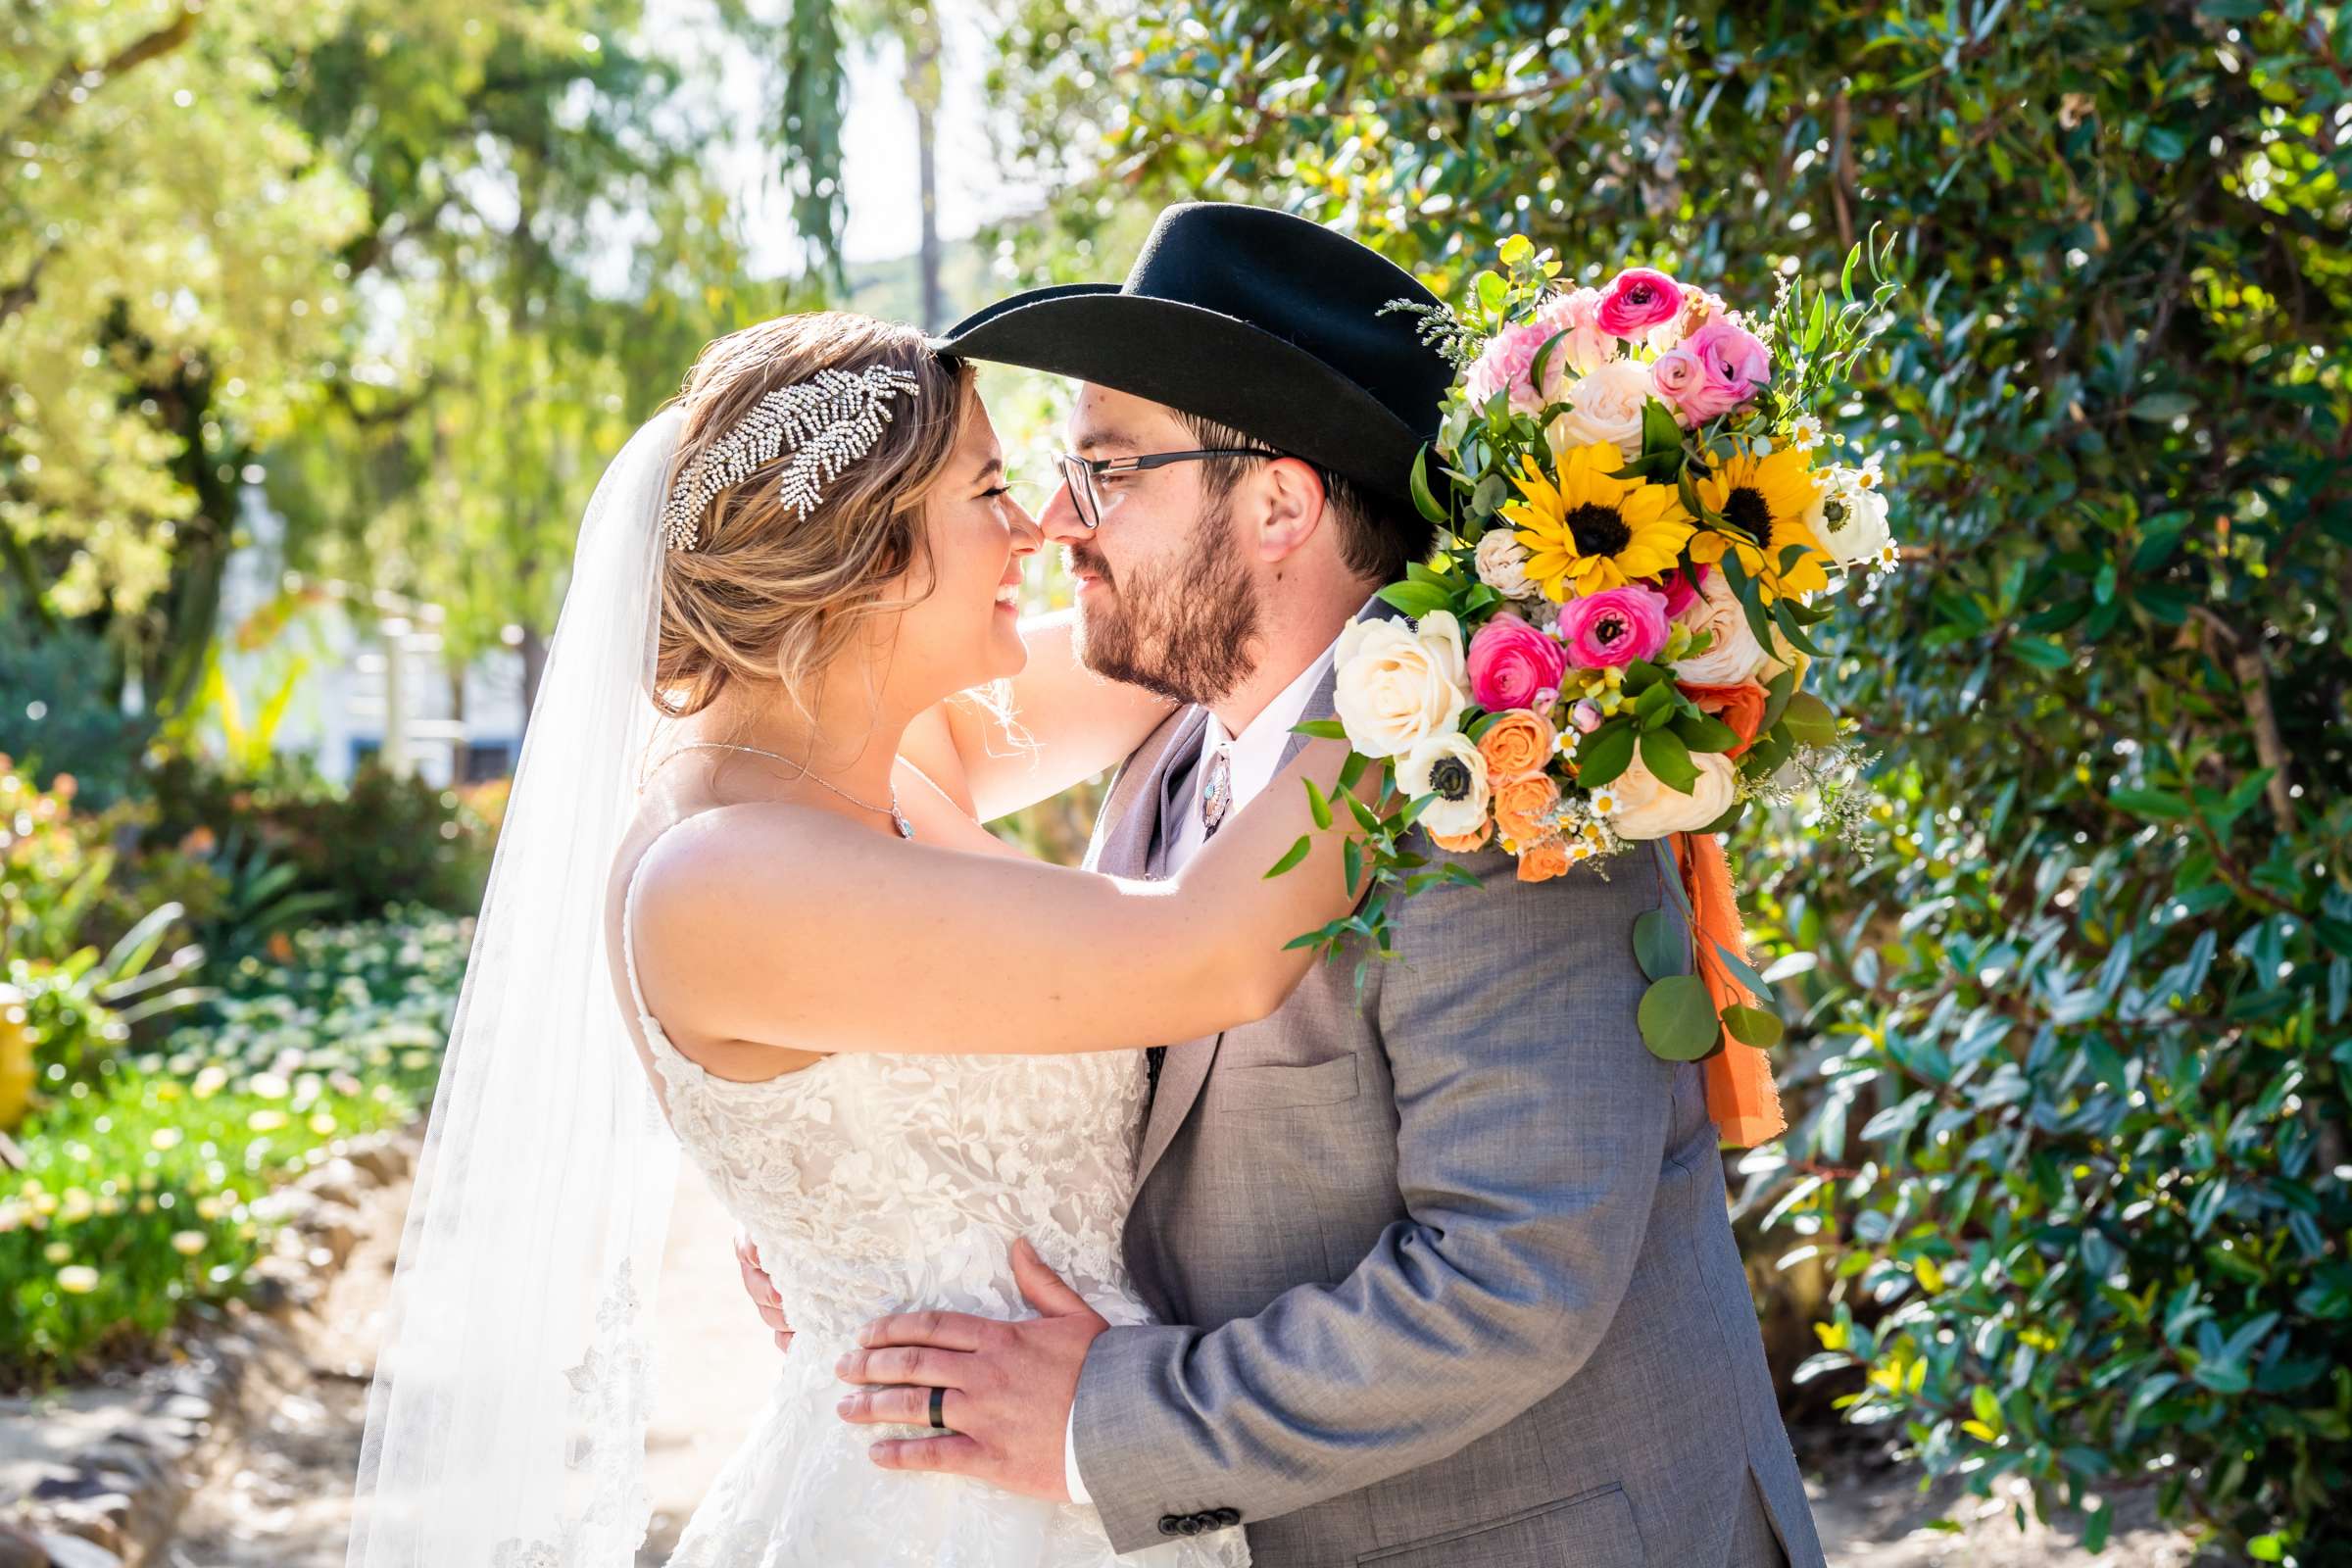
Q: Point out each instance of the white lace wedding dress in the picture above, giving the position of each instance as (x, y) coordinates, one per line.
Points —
(875, 1184)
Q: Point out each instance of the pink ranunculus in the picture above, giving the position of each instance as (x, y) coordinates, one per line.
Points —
(1614, 627)
(1733, 367)
(1508, 363)
(1512, 664)
(1585, 715)
(1682, 588)
(1638, 299)
(1678, 379)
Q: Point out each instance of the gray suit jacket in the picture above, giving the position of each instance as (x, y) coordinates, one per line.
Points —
(1446, 1263)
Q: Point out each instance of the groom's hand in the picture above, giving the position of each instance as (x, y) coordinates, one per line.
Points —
(762, 1290)
(1009, 1386)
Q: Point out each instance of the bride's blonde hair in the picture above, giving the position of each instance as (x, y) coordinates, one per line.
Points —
(768, 594)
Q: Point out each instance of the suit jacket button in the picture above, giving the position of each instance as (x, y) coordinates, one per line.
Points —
(1170, 1525)
(1228, 1517)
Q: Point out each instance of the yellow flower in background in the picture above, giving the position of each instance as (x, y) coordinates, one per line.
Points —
(78, 1280)
(1592, 531)
(1766, 499)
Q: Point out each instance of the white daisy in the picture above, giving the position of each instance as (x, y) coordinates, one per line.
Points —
(1804, 432)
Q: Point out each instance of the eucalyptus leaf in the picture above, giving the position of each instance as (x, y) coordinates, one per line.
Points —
(1678, 1020)
(1661, 945)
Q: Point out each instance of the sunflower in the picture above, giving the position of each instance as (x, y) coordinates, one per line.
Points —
(1765, 500)
(1591, 531)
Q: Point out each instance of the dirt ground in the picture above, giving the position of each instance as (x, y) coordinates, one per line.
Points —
(282, 1499)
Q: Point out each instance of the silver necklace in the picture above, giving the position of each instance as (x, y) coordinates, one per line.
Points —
(898, 819)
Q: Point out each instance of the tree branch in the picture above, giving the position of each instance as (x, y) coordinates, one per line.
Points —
(2253, 676)
(68, 75)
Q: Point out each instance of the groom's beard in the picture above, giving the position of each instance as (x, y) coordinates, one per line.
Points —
(1185, 631)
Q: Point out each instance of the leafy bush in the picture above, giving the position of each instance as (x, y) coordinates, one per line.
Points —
(384, 841)
(135, 1206)
(2076, 1166)
(61, 713)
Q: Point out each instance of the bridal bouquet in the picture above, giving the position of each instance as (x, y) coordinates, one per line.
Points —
(1642, 517)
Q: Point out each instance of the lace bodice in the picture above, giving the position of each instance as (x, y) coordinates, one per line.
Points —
(872, 1183)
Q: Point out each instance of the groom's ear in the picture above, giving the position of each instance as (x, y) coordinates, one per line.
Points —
(1288, 509)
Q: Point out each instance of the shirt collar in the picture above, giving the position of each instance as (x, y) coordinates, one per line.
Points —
(1263, 737)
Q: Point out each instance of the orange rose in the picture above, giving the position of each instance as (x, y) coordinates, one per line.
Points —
(1741, 706)
(1519, 741)
(1543, 860)
(1523, 808)
(1463, 843)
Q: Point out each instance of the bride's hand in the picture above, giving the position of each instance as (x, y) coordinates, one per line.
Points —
(762, 1290)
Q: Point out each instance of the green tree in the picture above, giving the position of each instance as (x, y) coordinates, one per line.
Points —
(2076, 1048)
(167, 275)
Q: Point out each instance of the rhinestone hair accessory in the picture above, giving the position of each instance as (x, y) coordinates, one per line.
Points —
(828, 423)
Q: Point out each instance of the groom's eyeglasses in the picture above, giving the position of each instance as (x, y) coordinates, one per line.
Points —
(1084, 476)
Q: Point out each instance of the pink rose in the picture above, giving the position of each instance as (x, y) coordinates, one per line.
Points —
(1637, 299)
(1679, 378)
(1514, 666)
(1614, 627)
(1587, 344)
(1682, 588)
(1733, 365)
(1506, 365)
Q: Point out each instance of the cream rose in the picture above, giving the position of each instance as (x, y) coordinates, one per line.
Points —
(1648, 808)
(1455, 772)
(1398, 685)
(1605, 406)
(1503, 565)
(1734, 654)
(1849, 519)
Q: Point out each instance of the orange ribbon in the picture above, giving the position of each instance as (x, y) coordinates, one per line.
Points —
(1741, 1097)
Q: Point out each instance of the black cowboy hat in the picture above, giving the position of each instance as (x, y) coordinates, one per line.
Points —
(1253, 318)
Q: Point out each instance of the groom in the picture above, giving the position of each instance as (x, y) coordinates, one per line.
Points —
(1444, 1263)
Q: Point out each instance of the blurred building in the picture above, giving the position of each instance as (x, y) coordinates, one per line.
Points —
(338, 672)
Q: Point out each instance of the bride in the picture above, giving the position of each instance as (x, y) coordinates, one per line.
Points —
(729, 913)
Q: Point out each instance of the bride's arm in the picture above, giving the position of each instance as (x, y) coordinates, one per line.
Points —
(797, 928)
(1069, 725)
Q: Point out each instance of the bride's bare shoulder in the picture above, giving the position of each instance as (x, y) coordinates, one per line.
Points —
(716, 862)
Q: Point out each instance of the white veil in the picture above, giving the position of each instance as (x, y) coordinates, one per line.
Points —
(506, 1428)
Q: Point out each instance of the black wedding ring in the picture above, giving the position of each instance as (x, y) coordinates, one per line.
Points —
(939, 1409)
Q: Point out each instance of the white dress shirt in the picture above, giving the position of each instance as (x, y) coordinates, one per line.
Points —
(1255, 757)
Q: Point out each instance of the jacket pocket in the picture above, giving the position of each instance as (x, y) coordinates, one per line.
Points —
(1593, 1530)
(1282, 1085)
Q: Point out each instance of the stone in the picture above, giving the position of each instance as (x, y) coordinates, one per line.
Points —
(98, 1520)
(72, 1551)
(21, 1548)
(337, 1181)
(381, 1157)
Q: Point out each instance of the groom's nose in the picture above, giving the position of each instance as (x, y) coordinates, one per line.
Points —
(1060, 518)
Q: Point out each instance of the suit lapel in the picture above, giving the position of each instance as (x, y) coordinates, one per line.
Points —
(1129, 821)
(1187, 1067)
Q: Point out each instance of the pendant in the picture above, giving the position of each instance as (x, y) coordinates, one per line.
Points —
(904, 827)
